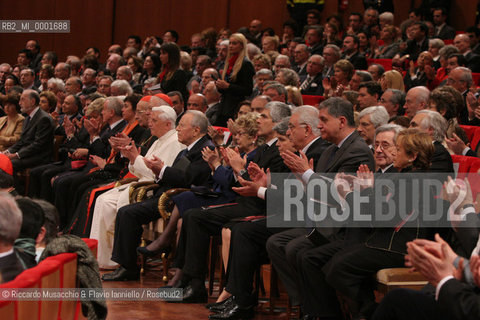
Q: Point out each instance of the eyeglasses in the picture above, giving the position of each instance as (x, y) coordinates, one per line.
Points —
(383, 146)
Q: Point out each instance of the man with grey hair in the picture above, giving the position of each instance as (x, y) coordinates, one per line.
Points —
(331, 54)
(222, 49)
(359, 76)
(189, 168)
(385, 148)
(213, 102)
(370, 119)
(311, 83)
(304, 133)
(55, 85)
(73, 86)
(393, 101)
(114, 61)
(416, 100)
(27, 79)
(125, 73)
(62, 71)
(461, 79)
(300, 57)
(113, 122)
(276, 91)
(10, 224)
(88, 80)
(120, 88)
(435, 125)
(281, 61)
(35, 146)
(385, 18)
(166, 147)
(261, 77)
(252, 51)
(199, 224)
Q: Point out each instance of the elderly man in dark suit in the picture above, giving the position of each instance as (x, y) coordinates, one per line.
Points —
(36, 142)
(10, 223)
(188, 169)
(311, 82)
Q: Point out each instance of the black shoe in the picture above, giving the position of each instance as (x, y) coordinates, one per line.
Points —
(193, 296)
(121, 274)
(220, 306)
(234, 312)
(148, 253)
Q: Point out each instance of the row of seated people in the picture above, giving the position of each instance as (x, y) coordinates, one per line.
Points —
(363, 129)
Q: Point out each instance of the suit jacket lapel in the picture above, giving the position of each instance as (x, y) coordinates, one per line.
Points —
(32, 121)
(342, 149)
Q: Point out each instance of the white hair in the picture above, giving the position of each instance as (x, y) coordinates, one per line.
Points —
(166, 113)
(58, 83)
(123, 86)
(10, 219)
(378, 115)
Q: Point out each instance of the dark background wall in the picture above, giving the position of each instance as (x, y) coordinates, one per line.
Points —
(103, 22)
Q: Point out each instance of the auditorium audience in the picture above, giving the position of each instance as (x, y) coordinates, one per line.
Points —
(168, 139)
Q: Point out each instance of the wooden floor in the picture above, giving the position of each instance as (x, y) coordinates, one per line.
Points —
(162, 310)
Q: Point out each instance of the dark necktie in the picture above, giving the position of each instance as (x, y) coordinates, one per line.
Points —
(306, 83)
(332, 156)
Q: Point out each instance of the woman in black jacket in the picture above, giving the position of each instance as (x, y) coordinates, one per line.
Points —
(236, 82)
(172, 78)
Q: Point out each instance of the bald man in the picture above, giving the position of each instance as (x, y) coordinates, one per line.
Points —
(462, 42)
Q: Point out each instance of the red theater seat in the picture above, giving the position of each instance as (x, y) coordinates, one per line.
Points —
(476, 78)
(92, 244)
(312, 100)
(463, 163)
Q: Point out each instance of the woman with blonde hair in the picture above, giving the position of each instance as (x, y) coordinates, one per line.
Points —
(335, 86)
(392, 79)
(237, 78)
(294, 96)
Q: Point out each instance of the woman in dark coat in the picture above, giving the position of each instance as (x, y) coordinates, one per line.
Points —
(172, 78)
(236, 82)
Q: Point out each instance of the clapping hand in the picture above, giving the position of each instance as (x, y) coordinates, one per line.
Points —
(131, 152)
(236, 161)
(433, 261)
(155, 164)
(258, 175)
(297, 164)
(211, 157)
(98, 161)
